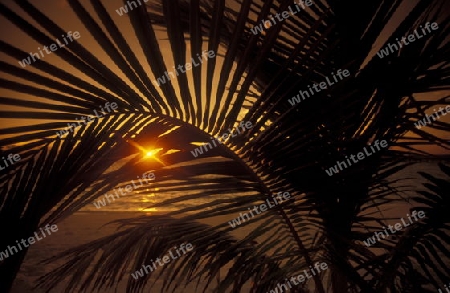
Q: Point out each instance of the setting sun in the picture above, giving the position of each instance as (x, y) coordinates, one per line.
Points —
(150, 153)
(147, 153)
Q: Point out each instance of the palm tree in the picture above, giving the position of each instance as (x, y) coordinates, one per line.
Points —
(287, 149)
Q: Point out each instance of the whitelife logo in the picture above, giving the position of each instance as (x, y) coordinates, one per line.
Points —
(187, 66)
(411, 38)
(398, 226)
(282, 287)
(236, 222)
(323, 86)
(447, 289)
(198, 151)
(146, 176)
(280, 16)
(124, 9)
(12, 160)
(53, 48)
(108, 106)
(165, 259)
(31, 240)
(422, 123)
(334, 170)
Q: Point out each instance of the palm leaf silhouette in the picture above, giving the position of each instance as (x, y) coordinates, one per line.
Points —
(251, 79)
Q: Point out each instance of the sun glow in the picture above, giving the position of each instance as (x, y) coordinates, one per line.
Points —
(147, 153)
(150, 154)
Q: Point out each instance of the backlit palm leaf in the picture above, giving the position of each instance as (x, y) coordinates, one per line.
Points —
(285, 148)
